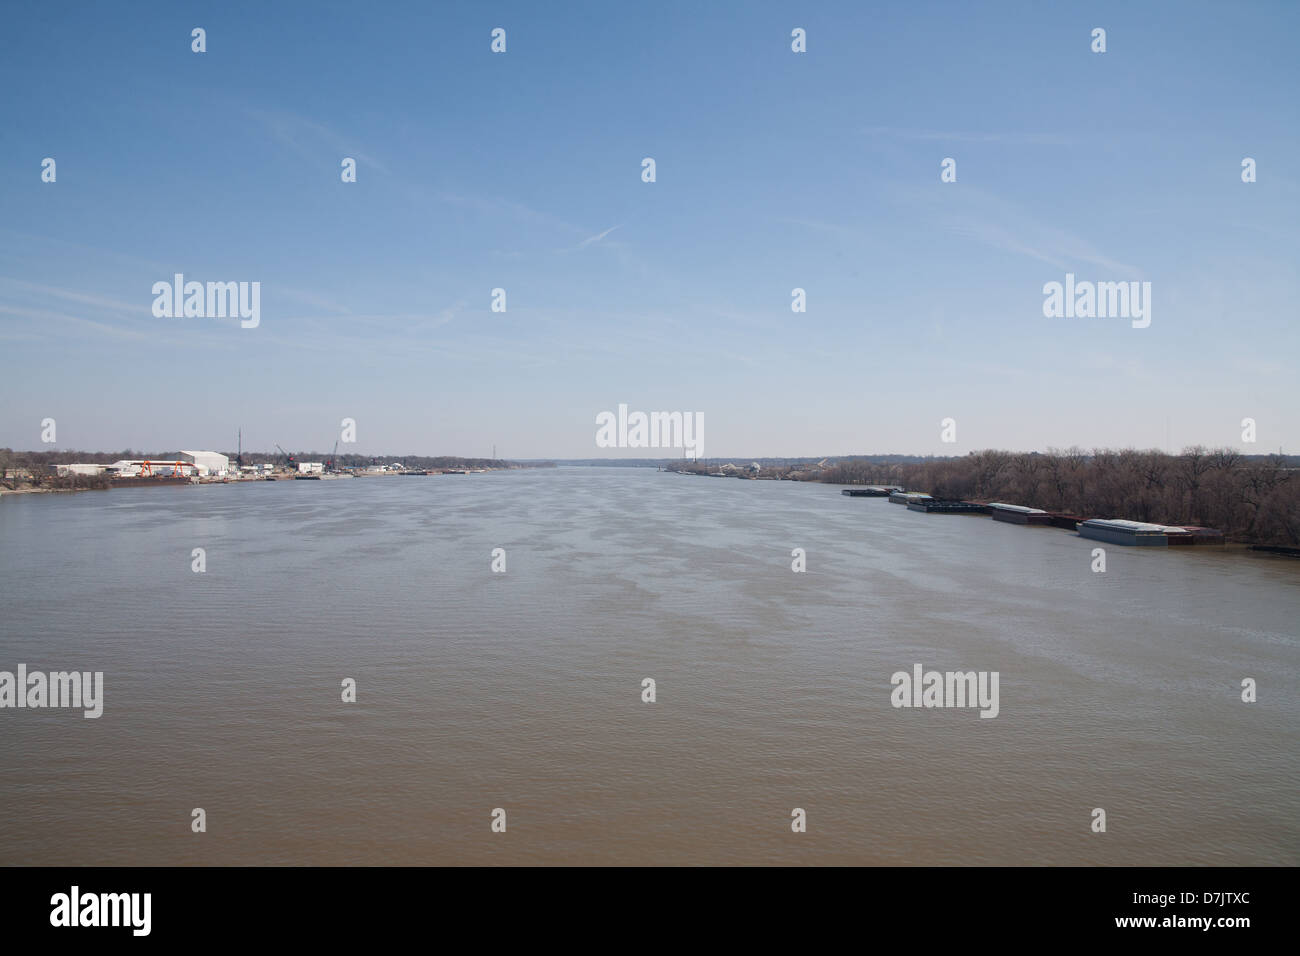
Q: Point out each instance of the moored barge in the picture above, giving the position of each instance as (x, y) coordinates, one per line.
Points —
(1120, 531)
(1018, 514)
(906, 497)
(1068, 522)
(1194, 534)
(944, 506)
(871, 491)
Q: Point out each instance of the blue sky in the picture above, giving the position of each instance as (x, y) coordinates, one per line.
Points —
(775, 170)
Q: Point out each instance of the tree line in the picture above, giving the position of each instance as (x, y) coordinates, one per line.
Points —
(1253, 499)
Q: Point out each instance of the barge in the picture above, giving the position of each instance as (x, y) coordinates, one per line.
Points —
(1276, 549)
(906, 497)
(1019, 514)
(1132, 533)
(871, 491)
(946, 506)
(1194, 534)
(1068, 522)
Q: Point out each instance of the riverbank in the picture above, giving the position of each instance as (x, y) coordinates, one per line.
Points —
(1252, 499)
(4, 492)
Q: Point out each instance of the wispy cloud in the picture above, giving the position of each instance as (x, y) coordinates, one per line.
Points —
(958, 136)
(42, 317)
(979, 215)
(26, 306)
(313, 299)
(596, 238)
(499, 206)
(39, 247)
(69, 295)
(312, 140)
(835, 229)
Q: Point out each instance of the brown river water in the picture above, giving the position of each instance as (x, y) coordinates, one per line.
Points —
(523, 690)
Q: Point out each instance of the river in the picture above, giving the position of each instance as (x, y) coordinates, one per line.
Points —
(522, 690)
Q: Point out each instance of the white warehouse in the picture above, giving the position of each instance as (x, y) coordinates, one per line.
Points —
(208, 462)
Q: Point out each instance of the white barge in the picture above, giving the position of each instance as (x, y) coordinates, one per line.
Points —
(1120, 531)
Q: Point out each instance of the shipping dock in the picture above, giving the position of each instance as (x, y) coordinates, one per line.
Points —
(154, 482)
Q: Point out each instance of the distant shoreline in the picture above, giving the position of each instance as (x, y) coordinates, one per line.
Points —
(27, 472)
(1252, 500)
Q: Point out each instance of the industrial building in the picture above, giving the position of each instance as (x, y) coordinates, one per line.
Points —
(202, 463)
(152, 467)
(208, 462)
